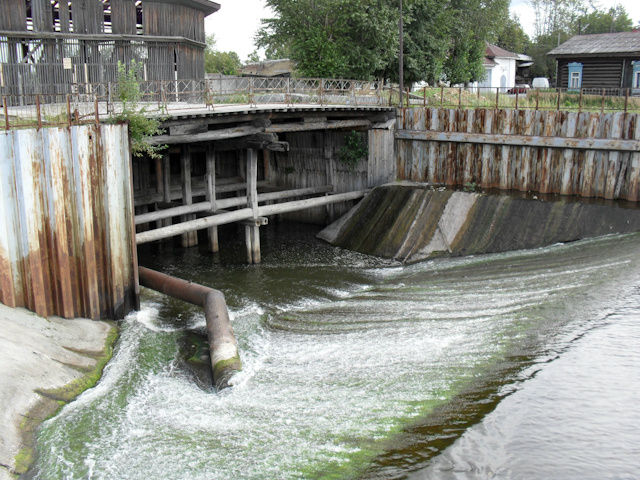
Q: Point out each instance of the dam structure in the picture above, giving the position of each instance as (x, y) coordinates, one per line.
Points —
(243, 163)
(405, 184)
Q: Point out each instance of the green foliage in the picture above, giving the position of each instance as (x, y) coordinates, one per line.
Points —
(359, 39)
(226, 63)
(615, 19)
(353, 150)
(512, 37)
(141, 127)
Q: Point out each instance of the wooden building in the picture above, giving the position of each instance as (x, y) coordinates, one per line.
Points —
(46, 46)
(609, 61)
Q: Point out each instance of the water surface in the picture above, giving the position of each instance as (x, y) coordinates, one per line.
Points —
(358, 367)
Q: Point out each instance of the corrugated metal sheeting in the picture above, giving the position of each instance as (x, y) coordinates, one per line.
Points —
(66, 238)
(573, 168)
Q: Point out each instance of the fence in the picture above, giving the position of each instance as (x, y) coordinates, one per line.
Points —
(87, 102)
(589, 154)
(520, 98)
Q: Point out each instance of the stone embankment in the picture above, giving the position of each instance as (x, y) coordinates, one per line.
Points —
(411, 222)
(44, 363)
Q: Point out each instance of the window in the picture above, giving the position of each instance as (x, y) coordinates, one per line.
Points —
(635, 79)
(574, 84)
(575, 76)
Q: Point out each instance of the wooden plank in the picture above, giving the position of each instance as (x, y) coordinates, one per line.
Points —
(211, 195)
(243, 214)
(211, 136)
(303, 127)
(522, 140)
(188, 239)
(253, 236)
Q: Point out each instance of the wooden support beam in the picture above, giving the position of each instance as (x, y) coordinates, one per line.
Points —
(228, 203)
(252, 234)
(166, 184)
(260, 141)
(211, 195)
(189, 239)
(244, 214)
(522, 140)
(306, 126)
(210, 136)
(198, 190)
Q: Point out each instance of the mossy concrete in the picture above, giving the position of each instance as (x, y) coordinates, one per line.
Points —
(44, 364)
(411, 222)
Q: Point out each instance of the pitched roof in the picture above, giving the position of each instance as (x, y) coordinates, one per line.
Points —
(487, 62)
(495, 51)
(609, 43)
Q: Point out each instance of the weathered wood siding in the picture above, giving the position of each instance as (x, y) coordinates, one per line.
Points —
(173, 20)
(381, 167)
(66, 237)
(596, 72)
(312, 161)
(611, 174)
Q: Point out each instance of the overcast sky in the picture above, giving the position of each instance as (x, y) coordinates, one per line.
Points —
(237, 21)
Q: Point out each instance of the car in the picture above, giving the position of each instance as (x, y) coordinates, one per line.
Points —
(540, 82)
(519, 89)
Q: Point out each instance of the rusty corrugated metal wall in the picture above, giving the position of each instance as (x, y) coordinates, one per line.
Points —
(611, 174)
(66, 238)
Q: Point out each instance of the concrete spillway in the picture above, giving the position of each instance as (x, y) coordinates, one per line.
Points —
(411, 222)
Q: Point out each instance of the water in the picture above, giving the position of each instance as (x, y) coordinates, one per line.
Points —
(518, 365)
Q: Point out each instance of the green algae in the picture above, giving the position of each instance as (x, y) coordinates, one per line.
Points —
(52, 400)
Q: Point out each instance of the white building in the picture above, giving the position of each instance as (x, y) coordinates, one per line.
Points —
(500, 68)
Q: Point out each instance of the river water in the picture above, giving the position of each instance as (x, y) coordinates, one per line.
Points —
(517, 365)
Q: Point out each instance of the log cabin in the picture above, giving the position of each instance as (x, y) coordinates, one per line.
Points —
(609, 61)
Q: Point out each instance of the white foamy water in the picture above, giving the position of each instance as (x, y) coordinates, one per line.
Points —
(340, 359)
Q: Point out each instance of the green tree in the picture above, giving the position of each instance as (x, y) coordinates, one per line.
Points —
(359, 39)
(331, 38)
(512, 37)
(616, 19)
(474, 22)
(226, 63)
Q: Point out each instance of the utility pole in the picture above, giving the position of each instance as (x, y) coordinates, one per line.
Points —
(401, 57)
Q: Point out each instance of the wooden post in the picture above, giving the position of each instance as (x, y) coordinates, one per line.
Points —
(459, 97)
(626, 100)
(330, 169)
(497, 97)
(159, 184)
(38, 111)
(602, 106)
(6, 112)
(252, 233)
(166, 184)
(558, 100)
(189, 239)
(580, 101)
(211, 195)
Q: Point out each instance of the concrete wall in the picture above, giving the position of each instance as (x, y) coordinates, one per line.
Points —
(66, 238)
(413, 222)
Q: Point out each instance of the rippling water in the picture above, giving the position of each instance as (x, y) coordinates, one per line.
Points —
(519, 365)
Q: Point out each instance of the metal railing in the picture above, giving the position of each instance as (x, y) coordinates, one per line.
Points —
(67, 104)
(82, 103)
(584, 99)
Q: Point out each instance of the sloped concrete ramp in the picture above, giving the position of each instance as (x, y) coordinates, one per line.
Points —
(413, 222)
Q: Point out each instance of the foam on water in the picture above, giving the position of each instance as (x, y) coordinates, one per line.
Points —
(339, 358)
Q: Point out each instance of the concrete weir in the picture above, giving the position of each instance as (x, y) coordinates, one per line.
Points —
(412, 222)
(223, 346)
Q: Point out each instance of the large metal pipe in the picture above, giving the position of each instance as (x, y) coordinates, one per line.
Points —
(223, 346)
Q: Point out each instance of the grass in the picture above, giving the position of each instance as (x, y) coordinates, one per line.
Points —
(534, 99)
